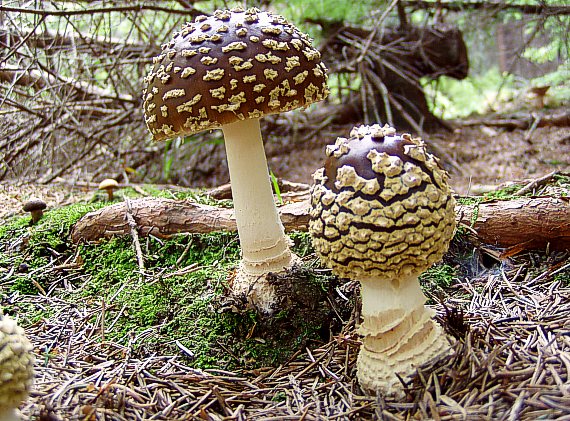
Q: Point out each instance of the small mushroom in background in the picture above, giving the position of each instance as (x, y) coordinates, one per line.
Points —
(109, 185)
(382, 212)
(227, 71)
(16, 368)
(539, 93)
(36, 208)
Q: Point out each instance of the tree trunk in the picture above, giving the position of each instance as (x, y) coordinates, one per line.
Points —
(529, 222)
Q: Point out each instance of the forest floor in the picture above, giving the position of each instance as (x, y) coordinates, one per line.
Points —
(511, 315)
(479, 159)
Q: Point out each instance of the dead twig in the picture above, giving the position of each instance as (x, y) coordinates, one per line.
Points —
(536, 183)
(135, 235)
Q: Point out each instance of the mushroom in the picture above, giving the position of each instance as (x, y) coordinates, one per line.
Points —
(108, 184)
(16, 368)
(227, 71)
(381, 213)
(539, 92)
(36, 208)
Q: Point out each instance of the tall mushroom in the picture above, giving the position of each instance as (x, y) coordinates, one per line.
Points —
(227, 71)
(382, 213)
(16, 367)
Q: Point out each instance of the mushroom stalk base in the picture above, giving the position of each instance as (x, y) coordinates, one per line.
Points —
(399, 334)
(265, 247)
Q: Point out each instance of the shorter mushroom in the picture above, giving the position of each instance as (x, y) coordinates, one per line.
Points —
(36, 208)
(382, 213)
(108, 184)
(16, 368)
(539, 92)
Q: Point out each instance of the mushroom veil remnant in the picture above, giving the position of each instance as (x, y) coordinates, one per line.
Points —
(16, 368)
(382, 212)
(227, 71)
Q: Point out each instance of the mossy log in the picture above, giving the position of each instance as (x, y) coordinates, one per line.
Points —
(528, 222)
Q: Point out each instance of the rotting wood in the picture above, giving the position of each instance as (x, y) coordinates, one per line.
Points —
(527, 222)
(532, 222)
(390, 63)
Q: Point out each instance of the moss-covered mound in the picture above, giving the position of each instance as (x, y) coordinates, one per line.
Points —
(169, 298)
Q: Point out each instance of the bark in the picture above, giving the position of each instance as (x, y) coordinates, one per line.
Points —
(529, 222)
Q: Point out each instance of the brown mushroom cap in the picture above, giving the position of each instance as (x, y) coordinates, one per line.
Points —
(33, 205)
(228, 67)
(539, 90)
(381, 206)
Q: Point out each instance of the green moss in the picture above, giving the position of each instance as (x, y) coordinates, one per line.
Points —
(28, 313)
(506, 193)
(563, 182)
(563, 277)
(301, 243)
(51, 230)
(179, 304)
(198, 196)
(279, 396)
(181, 301)
(469, 200)
(26, 248)
(438, 277)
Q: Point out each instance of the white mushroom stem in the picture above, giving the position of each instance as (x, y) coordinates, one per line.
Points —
(399, 334)
(264, 245)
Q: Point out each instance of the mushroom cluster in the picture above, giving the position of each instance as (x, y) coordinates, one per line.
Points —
(382, 212)
(16, 367)
(227, 71)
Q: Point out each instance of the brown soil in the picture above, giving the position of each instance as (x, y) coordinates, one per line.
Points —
(479, 159)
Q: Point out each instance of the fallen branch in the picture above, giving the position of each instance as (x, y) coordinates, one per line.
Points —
(41, 80)
(95, 44)
(533, 222)
(528, 223)
(94, 10)
(533, 184)
(561, 119)
(461, 6)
